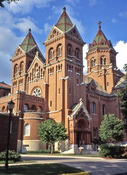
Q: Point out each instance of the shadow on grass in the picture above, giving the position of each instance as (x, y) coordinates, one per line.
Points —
(40, 169)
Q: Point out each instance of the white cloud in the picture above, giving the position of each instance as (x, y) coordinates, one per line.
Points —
(24, 24)
(47, 28)
(121, 58)
(8, 44)
(72, 2)
(114, 20)
(6, 19)
(25, 6)
(5, 68)
(8, 40)
(123, 14)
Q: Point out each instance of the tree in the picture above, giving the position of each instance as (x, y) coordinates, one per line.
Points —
(51, 132)
(122, 94)
(111, 129)
(8, 1)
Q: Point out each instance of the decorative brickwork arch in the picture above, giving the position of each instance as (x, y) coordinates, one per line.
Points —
(37, 92)
(83, 131)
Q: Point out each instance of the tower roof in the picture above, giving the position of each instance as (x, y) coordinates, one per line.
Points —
(100, 40)
(28, 42)
(64, 23)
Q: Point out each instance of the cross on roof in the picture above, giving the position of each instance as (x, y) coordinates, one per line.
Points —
(99, 25)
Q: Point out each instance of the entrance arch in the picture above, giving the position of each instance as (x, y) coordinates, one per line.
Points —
(83, 132)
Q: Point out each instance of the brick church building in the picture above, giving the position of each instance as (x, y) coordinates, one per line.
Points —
(56, 87)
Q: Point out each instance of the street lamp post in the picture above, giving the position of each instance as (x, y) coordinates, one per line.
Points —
(10, 108)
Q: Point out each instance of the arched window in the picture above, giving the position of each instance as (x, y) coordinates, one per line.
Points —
(34, 108)
(27, 130)
(69, 49)
(105, 61)
(21, 66)
(103, 109)
(92, 63)
(59, 50)
(39, 109)
(51, 53)
(36, 66)
(101, 61)
(77, 52)
(93, 108)
(26, 107)
(15, 68)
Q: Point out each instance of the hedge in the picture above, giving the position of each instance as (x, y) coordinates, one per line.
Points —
(112, 151)
(12, 155)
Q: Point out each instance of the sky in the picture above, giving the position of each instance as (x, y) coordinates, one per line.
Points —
(41, 15)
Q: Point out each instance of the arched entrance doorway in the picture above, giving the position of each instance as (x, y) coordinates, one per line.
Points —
(83, 132)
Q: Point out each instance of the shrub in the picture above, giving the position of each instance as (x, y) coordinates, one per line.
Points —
(12, 155)
(111, 151)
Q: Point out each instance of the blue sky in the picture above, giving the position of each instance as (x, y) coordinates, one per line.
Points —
(41, 15)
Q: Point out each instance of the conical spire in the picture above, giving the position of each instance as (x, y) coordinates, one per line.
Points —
(100, 40)
(64, 23)
(28, 42)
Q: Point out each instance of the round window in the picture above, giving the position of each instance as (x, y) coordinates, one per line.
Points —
(37, 92)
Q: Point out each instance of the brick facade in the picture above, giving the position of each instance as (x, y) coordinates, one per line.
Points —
(4, 119)
(56, 87)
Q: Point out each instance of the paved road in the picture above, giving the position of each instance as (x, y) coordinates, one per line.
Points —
(97, 166)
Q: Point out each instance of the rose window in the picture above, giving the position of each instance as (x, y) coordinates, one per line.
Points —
(37, 92)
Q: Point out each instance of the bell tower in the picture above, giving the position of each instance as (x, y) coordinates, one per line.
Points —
(21, 61)
(64, 67)
(101, 61)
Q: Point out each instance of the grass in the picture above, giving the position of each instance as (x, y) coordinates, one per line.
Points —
(13, 162)
(41, 169)
(47, 152)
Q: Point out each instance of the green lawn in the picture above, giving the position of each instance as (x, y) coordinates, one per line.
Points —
(59, 154)
(39, 169)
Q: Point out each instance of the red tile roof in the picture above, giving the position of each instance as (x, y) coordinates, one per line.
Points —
(4, 85)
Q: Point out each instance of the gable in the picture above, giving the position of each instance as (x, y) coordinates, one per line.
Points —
(73, 32)
(77, 108)
(54, 33)
(36, 60)
(18, 51)
(35, 50)
(92, 86)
